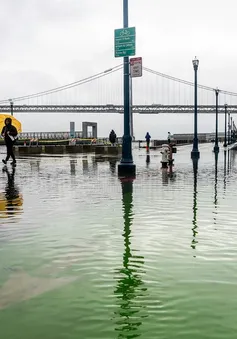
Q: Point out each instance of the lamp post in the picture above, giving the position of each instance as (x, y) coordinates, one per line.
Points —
(195, 152)
(126, 166)
(131, 112)
(11, 105)
(225, 142)
(216, 147)
(228, 128)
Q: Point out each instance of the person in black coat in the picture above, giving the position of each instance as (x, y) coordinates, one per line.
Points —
(112, 137)
(9, 133)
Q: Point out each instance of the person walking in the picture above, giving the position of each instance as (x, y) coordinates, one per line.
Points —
(148, 139)
(9, 133)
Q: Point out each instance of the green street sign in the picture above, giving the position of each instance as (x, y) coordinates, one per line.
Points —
(124, 42)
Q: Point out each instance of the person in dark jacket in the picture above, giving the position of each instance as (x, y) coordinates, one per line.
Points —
(148, 139)
(9, 133)
(112, 137)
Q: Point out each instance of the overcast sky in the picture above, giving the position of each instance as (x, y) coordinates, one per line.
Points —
(48, 43)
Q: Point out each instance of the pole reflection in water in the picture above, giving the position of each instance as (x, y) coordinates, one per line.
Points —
(194, 221)
(94, 164)
(215, 187)
(228, 162)
(224, 171)
(11, 201)
(85, 166)
(130, 287)
(73, 166)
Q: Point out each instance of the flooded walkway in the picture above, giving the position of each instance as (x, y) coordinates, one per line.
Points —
(83, 255)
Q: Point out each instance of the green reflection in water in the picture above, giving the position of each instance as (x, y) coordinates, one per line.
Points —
(215, 189)
(130, 288)
(194, 221)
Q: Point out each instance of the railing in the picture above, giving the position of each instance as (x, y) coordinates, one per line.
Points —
(50, 135)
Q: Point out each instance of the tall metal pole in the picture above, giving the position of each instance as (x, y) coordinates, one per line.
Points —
(231, 130)
(216, 147)
(195, 152)
(126, 166)
(228, 128)
(131, 103)
(11, 106)
(225, 142)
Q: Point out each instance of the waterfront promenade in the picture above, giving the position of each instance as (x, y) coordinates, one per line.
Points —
(84, 255)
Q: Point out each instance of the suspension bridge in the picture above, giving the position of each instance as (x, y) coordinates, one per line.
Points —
(153, 93)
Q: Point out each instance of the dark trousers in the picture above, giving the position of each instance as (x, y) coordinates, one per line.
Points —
(10, 152)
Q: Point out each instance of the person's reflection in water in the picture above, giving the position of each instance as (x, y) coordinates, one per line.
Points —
(215, 187)
(130, 287)
(194, 221)
(148, 158)
(112, 165)
(13, 198)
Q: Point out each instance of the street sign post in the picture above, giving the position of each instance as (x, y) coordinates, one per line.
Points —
(136, 67)
(124, 42)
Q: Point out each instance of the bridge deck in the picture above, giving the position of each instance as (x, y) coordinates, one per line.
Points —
(140, 109)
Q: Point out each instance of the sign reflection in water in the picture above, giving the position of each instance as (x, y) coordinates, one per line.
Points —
(130, 288)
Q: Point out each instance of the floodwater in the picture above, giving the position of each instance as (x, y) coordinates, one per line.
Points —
(84, 255)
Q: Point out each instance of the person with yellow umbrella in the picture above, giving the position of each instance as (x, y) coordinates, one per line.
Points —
(9, 133)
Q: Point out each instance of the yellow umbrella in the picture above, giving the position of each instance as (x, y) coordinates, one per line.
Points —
(16, 123)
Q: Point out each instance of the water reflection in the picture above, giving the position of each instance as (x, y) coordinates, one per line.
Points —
(148, 159)
(35, 164)
(165, 176)
(11, 200)
(228, 162)
(112, 165)
(73, 166)
(225, 171)
(216, 180)
(194, 221)
(130, 287)
(85, 166)
(215, 188)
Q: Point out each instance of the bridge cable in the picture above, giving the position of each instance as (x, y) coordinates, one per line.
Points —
(65, 87)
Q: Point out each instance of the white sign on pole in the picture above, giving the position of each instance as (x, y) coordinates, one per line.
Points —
(136, 67)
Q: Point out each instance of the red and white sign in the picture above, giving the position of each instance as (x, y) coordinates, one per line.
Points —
(136, 67)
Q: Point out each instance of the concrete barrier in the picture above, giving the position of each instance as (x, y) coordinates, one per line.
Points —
(88, 148)
(74, 149)
(61, 149)
(108, 150)
(54, 149)
(23, 150)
